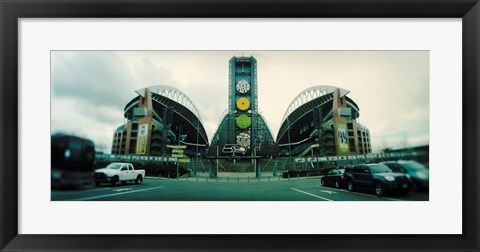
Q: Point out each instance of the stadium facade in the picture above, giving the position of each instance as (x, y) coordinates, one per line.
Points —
(159, 117)
(323, 121)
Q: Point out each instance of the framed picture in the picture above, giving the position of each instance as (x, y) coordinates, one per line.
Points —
(369, 84)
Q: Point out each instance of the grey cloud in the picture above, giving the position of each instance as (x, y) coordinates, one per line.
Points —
(210, 101)
(91, 88)
(100, 78)
(148, 74)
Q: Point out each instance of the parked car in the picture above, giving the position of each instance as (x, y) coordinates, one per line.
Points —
(334, 178)
(295, 173)
(418, 172)
(118, 172)
(348, 168)
(378, 177)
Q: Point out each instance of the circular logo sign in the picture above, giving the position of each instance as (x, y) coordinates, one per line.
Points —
(243, 121)
(243, 139)
(243, 103)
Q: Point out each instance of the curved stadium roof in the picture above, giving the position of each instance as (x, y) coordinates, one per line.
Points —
(168, 96)
(173, 94)
(309, 99)
(310, 94)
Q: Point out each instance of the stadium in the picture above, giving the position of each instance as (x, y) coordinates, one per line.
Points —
(320, 122)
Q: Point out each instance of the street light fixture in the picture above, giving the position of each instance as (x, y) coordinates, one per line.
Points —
(289, 144)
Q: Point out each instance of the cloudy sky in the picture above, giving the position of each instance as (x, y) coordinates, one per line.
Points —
(90, 88)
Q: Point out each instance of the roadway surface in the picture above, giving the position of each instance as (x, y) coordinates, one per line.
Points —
(154, 189)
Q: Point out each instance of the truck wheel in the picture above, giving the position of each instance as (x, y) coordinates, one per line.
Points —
(138, 180)
(114, 180)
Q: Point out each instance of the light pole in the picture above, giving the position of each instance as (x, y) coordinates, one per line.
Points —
(196, 155)
(178, 160)
(289, 144)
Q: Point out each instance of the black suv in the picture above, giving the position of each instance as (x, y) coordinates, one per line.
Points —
(378, 177)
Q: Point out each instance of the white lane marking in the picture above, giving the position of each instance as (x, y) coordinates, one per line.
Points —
(346, 191)
(364, 194)
(115, 194)
(122, 189)
(316, 196)
(329, 192)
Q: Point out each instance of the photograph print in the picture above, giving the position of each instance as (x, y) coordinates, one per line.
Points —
(240, 125)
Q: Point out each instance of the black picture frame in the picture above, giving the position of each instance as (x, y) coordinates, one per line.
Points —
(11, 11)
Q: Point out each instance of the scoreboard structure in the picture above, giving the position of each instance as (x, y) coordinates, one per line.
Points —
(243, 125)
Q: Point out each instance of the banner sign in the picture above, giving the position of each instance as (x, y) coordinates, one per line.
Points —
(178, 155)
(176, 146)
(299, 160)
(184, 160)
(332, 158)
(352, 157)
(142, 138)
(342, 138)
(133, 158)
(177, 151)
(312, 159)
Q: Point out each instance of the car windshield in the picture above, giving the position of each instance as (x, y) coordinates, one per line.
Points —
(411, 165)
(334, 172)
(378, 168)
(114, 166)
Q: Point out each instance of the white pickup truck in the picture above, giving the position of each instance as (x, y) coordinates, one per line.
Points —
(118, 172)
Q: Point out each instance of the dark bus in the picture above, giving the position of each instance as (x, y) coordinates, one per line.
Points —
(73, 161)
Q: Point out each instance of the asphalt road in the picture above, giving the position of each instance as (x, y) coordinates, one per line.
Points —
(305, 189)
